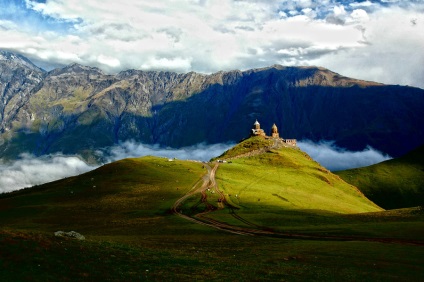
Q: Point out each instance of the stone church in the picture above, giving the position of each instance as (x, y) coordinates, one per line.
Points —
(258, 131)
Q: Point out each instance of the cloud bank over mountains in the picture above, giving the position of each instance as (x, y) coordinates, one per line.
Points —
(334, 158)
(373, 40)
(29, 170)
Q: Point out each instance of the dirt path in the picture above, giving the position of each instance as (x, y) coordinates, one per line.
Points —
(208, 184)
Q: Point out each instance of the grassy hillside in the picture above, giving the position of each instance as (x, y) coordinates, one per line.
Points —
(392, 184)
(290, 179)
(123, 210)
(249, 145)
(285, 189)
(107, 199)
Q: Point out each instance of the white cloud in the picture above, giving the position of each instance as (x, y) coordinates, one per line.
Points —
(339, 11)
(131, 149)
(362, 39)
(359, 15)
(361, 4)
(335, 158)
(393, 52)
(109, 61)
(30, 170)
(176, 64)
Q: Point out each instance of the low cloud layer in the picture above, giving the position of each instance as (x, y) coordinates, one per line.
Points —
(30, 170)
(335, 158)
(130, 149)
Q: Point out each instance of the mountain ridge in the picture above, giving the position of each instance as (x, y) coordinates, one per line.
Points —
(78, 109)
(18, 59)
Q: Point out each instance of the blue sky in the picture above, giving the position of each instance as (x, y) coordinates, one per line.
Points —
(372, 40)
(30, 20)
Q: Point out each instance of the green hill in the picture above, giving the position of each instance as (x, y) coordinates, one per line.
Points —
(106, 199)
(396, 183)
(286, 178)
(284, 187)
(125, 211)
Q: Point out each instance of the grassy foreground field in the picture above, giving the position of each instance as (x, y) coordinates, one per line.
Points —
(392, 184)
(204, 255)
(124, 211)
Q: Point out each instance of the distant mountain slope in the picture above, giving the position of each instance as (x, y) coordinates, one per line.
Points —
(397, 183)
(18, 78)
(77, 109)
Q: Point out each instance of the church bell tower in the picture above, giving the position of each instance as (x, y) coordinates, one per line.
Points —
(274, 132)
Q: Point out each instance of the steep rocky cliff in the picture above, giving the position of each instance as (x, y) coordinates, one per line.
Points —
(78, 109)
(18, 77)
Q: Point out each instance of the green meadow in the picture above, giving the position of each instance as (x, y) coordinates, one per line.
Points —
(124, 211)
(396, 183)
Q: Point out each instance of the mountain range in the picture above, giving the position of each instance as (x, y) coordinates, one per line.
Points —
(78, 109)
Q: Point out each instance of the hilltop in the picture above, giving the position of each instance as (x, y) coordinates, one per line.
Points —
(79, 109)
(285, 177)
(392, 184)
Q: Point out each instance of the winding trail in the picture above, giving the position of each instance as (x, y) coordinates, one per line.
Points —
(207, 183)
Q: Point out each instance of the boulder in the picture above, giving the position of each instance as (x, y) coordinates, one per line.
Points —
(71, 234)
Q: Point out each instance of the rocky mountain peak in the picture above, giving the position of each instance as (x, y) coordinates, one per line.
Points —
(76, 69)
(18, 78)
(16, 60)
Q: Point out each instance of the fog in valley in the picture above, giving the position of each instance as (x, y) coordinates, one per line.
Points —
(30, 170)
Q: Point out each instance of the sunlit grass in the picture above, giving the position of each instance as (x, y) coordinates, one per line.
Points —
(246, 146)
(288, 180)
(123, 210)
